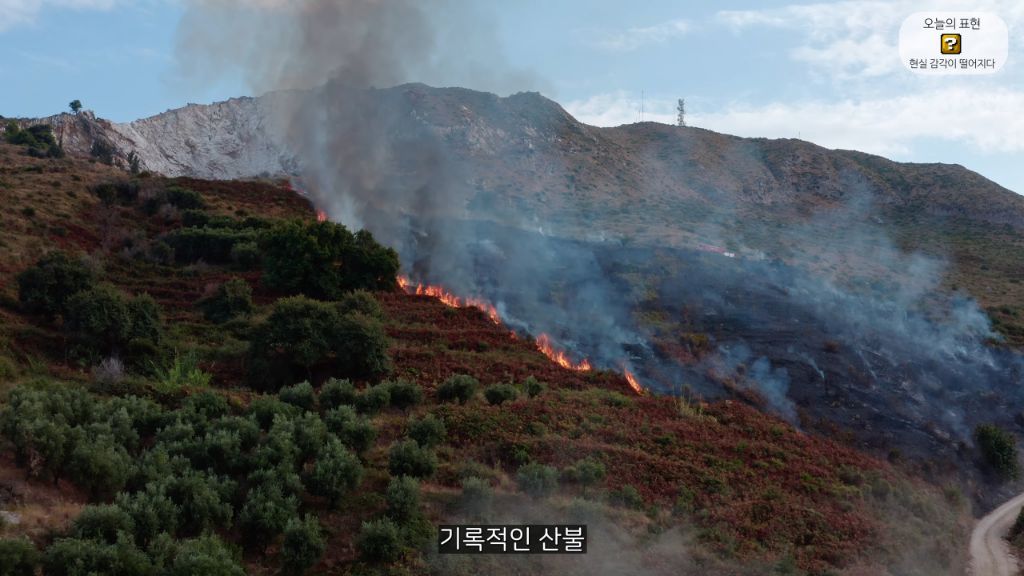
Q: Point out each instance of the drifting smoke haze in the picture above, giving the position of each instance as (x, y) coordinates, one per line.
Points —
(880, 351)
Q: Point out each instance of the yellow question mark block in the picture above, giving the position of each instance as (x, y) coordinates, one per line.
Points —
(950, 44)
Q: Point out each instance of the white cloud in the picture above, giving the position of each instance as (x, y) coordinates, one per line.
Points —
(633, 38)
(17, 12)
(987, 121)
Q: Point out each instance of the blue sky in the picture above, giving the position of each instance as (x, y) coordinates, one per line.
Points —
(828, 72)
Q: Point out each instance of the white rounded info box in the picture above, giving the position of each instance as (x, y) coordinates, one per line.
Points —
(953, 42)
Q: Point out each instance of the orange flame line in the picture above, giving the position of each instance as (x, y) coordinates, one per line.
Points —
(543, 341)
(321, 216)
(633, 383)
(559, 357)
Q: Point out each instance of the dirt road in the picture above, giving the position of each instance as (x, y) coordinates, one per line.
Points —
(990, 553)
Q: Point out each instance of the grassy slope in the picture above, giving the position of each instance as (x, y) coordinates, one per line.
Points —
(755, 490)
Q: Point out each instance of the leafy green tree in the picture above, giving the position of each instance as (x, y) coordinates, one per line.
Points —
(354, 431)
(18, 557)
(999, 448)
(533, 387)
(477, 497)
(78, 557)
(323, 260)
(458, 387)
(230, 300)
(403, 498)
(46, 287)
(360, 301)
(303, 545)
(373, 399)
(335, 393)
(100, 466)
(265, 514)
(335, 473)
(627, 496)
(104, 523)
(302, 333)
(102, 322)
(586, 472)
(537, 480)
(428, 431)
(409, 459)
(300, 395)
(265, 409)
(500, 393)
(206, 556)
(404, 394)
(379, 541)
(202, 498)
(151, 512)
(75, 106)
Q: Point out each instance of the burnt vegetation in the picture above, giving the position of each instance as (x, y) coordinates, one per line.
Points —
(220, 384)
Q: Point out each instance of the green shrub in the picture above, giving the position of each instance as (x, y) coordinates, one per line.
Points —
(75, 557)
(477, 497)
(211, 245)
(404, 394)
(533, 387)
(403, 498)
(102, 322)
(302, 333)
(999, 449)
(537, 480)
(266, 408)
(379, 541)
(264, 515)
(151, 512)
(18, 557)
(182, 374)
(303, 545)
(324, 260)
(203, 498)
(627, 496)
(500, 393)
(428, 431)
(586, 473)
(102, 523)
(335, 473)
(310, 434)
(373, 399)
(46, 287)
(245, 255)
(458, 387)
(300, 395)
(100, 466)
(38, 139)
(206, 556)
(409, 459)
(230, 300)
(335, 393)
(354, 431)
(362, 302)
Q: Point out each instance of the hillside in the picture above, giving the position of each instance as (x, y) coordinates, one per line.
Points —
(667, 485)
(523, 161)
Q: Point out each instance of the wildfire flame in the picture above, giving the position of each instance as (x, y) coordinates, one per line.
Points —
(321, 216)
(633, 383)
(559, 357)
(543, 341)
(450, 299)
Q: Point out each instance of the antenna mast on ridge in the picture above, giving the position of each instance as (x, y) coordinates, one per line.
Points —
(681, 109)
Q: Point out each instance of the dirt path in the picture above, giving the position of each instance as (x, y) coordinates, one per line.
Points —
(990, 553)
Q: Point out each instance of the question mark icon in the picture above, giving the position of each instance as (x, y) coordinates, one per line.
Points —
(950, 44)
